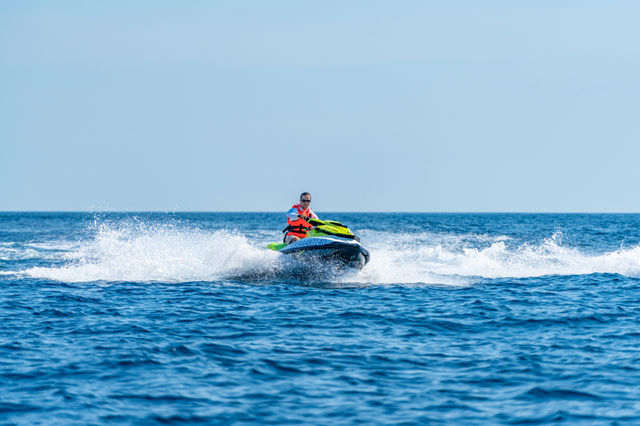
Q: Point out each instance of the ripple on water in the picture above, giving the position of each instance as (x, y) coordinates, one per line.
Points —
(198, 347)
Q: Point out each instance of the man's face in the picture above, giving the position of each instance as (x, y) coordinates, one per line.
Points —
(305, 201)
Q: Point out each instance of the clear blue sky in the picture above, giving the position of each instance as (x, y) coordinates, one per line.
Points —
(371, 106)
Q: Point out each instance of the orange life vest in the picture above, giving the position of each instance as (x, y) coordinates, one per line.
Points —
(299, 227)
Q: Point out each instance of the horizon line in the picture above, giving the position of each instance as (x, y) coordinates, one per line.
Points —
(327, 211)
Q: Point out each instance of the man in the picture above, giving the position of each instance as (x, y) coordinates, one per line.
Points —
(297, 217)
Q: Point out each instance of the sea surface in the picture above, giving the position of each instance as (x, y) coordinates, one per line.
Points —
(154, 318)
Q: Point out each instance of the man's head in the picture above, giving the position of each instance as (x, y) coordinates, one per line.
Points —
(305, 199)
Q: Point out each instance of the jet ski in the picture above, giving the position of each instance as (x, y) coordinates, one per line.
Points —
(328, 242)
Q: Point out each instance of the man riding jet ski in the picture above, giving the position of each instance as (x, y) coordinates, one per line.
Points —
(325, 242)
(297, 217)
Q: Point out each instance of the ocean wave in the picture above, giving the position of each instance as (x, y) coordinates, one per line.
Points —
(137, 251)
(417, 256)
(143, 252)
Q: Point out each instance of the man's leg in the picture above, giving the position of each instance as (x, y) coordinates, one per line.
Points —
(290, 238)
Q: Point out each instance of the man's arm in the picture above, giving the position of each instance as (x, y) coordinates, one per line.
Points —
(292, 214)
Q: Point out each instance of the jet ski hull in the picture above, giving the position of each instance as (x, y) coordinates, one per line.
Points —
(337, 252)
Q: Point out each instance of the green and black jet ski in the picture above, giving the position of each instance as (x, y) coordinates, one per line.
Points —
(328, 242)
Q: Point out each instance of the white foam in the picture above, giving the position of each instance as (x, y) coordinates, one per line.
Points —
(11, 251)
(450, 259)
(165, 253)
(170, 253)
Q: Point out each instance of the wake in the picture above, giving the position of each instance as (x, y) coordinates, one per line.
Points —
(142, 252)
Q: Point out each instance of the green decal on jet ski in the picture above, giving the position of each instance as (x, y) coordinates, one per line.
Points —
(276, 246)
(323, 228)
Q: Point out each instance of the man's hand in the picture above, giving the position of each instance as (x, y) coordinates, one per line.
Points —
(303, 216)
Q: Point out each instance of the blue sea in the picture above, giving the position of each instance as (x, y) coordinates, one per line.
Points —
(181, 318)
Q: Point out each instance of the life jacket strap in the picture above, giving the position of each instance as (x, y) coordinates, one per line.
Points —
(296, 228)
